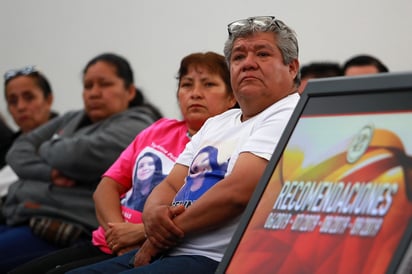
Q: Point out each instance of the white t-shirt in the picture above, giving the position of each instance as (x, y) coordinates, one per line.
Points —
(211, 155)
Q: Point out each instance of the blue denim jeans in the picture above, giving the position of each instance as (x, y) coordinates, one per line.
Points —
(170, 265)
(18, 245)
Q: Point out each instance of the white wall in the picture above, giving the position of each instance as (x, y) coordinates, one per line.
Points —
(60, 36)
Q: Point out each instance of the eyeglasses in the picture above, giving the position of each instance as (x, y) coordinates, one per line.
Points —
(260, 21)
(16, 72)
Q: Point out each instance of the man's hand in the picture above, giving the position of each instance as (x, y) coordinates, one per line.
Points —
(145, 254)
(160, 228)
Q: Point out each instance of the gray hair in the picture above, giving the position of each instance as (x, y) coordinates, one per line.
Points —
(287, 41)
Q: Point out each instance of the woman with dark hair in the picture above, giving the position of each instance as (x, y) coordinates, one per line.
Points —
(60, 164)
(124, 71)
(148, 174)
(203, 91)
(29, 99)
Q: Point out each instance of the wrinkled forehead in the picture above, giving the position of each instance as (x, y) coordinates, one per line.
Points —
(255, 41)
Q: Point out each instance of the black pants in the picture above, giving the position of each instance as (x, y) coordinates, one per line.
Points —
(64, 260)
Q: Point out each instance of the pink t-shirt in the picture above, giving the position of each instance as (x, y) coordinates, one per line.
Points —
(142, 165)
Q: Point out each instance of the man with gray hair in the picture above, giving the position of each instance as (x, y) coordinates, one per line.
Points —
(262, 54)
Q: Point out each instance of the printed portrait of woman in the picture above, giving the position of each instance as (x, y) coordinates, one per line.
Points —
(148, 173)
(205, 171)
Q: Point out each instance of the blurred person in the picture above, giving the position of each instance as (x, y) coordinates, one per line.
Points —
(6, 139)
(6, 178)
(262, 54)
(318, 70)
(29, 99)
(204, 90)
(363, 64)
(59, 164)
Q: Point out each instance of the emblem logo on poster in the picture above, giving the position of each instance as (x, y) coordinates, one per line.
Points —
(360, 144)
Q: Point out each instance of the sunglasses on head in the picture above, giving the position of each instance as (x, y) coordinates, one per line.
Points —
(16, 72)
(261, 21)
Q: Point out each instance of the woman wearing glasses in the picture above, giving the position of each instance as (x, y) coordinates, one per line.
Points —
(60, 163)
(29, 99)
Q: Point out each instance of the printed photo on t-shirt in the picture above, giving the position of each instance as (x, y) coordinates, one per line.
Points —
(205, 171)
(150, 169)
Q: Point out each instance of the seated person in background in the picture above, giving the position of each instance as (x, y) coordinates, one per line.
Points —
(318, 70)
(29, 98)
(60, 163)
(363, 64)
(6, 139)
(203, 91)
(190, 235)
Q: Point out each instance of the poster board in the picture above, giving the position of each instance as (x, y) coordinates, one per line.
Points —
(336, 196)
